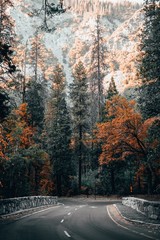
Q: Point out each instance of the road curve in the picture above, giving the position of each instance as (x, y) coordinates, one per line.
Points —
(77, 221)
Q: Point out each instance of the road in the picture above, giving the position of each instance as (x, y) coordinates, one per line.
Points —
(77, 221)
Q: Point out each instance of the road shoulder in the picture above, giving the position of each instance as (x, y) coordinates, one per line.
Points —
(148, 230)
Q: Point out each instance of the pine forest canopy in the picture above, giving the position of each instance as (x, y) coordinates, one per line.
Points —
(98, 6)
(53, 142)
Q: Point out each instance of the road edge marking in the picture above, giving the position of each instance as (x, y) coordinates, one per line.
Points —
(135, 221)
(67, 234)
(43, 210)
(118, 224)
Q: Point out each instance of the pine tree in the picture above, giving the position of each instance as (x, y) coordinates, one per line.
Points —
(48, 11)
(97, 71)
(112, 90)
(6, 41)
(59, 133)
(150, 65)
(4, 106)
(79, 98)
(35, 97)
(149, 99)
(21, 158)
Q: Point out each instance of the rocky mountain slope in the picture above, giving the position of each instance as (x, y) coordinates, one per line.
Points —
(72, 38)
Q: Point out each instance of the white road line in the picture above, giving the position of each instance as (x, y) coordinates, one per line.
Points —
(34, 213)
(62, 220)
(67, 234)
(136, 221)
(66, 207)
(142, 234)
(93, 207)
(76, 209)
(69, 213)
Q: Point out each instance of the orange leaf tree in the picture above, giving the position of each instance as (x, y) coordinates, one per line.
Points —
(20, 134)
(21, 173)
(124, 134)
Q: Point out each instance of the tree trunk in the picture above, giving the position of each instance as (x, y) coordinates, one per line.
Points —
(112, 180)
(80, 159)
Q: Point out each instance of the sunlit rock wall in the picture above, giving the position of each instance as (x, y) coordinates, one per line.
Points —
(16, 204)
(150, 208)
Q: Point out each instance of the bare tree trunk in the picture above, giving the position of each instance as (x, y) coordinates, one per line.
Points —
(80, 159)
(24, 77)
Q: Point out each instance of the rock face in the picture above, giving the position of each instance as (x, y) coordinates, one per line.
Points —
(75, 30)
(150, 208)
(11, 205)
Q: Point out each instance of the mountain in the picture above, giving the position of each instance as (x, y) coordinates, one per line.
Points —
(73, 34)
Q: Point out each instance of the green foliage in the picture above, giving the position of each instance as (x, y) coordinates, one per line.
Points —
(150, 65)
(21, 159)
(20, 174)
(149, 100)
(149, 97)
(4, 105)
(35, 95)
(59, 133)
(112, 90)
(79, 98)
(6, 41)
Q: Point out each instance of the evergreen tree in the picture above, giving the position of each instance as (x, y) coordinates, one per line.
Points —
(48, 11)
(4, 106)
(150, 65)
(79, 97)
(112, 90)
(21, 159)
(35, 97)
(6, 41)
(111, 167)
(97, 72)
(59, 133)
(149, 97)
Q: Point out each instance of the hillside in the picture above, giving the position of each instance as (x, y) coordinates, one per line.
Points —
(74, 31)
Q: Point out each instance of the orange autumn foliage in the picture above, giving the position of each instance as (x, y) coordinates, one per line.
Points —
(124, 133)
(20, 134)
(3, 144)
(46, 183)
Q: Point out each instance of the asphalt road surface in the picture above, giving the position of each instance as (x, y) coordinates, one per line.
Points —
(77, 221)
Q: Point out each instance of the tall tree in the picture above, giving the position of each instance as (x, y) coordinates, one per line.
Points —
(112, 90)
(35, 97)
(125, 134)
(150, 62)
(6, 41)
(150, 65)
(79, 98)
(59, 133)
(48, 11)
(111, 167)
(22, 161)
(97, 70)
(4, 105)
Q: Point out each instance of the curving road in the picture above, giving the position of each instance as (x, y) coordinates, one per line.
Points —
(77, 221)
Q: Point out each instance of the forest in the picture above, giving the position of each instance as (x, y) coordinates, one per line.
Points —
(68, 139)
